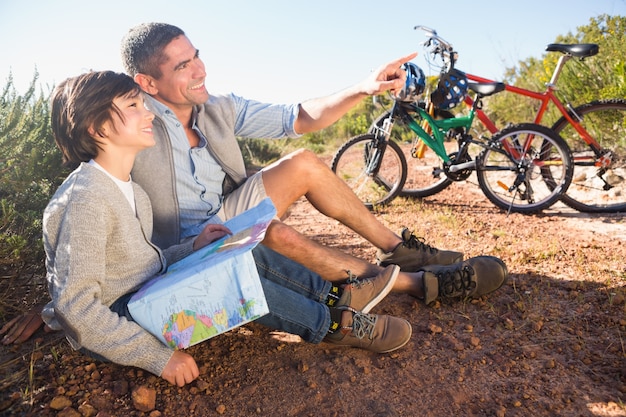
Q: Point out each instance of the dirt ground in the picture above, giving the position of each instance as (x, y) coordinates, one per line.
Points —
(550, 342)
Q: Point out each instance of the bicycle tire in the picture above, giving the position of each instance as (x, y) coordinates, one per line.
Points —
(605, 120)
(421, 181)
(546, 169)
(350, 164)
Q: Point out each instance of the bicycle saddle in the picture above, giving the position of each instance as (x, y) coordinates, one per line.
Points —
(486, 89)
(580, 50)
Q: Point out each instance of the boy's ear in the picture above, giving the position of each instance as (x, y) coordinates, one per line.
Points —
(146, 83)
(95, 134)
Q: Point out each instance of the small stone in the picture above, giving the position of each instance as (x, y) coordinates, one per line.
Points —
(618, 299)
(120, 387)
(508, 324)
(68, 412)
(144, 398)
(434, 328)
(221, 409)
(60, 402)
(99, 402)
(87, 410)
(202, 385)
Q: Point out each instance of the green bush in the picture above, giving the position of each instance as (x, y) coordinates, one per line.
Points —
(31, 169)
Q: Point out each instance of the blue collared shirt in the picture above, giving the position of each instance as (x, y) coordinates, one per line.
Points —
(199, 177)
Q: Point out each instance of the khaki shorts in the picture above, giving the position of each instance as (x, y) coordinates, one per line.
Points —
(248, 195)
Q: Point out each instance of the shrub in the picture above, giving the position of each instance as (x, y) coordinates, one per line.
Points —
(31, 170)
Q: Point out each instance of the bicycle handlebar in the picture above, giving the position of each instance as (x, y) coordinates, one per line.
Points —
(439, 46)
(432, 35)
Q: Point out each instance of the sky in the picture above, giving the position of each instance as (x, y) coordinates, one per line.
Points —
(284, 50)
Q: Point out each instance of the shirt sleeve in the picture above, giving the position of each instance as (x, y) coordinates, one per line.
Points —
(255, 119)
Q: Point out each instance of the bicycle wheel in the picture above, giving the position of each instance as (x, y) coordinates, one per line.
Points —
(356, 159)
(525, 182)
(422, 179)
(594, 190)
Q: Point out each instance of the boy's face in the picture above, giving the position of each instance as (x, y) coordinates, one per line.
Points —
(182, 82)
(134, 131)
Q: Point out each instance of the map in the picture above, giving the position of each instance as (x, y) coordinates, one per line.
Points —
(215, 289)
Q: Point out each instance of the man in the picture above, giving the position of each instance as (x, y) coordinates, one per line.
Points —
(195, 175)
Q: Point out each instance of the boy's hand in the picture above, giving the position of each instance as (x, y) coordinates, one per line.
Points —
(209, 234)
(181, 369)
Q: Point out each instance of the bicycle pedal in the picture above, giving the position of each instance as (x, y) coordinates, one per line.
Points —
(504, 186)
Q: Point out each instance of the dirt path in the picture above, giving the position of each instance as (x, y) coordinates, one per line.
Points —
(550, 342)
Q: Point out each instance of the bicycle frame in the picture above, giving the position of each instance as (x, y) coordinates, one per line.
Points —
(546, 97)
(439, 128)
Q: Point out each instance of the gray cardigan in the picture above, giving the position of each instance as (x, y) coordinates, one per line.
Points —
(96, 251)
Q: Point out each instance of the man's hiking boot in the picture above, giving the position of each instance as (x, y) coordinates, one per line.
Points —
(363, 294)
(377, 333)
(471, 278)
(413, 253)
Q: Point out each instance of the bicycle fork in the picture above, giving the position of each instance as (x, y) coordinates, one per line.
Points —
(376, 149)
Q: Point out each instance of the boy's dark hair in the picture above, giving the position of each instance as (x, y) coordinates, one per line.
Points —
(84, 102)
(142, 48)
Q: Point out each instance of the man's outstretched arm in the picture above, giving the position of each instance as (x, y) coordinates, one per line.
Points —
(318, 113)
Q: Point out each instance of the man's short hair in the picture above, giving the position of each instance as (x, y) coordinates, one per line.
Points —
(143, 46)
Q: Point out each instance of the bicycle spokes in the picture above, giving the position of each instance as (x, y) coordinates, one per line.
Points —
(525, 169)
(375, 173)
(599, 181)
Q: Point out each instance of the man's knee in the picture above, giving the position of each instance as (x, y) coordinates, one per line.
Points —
(279, 234)
(306, 162)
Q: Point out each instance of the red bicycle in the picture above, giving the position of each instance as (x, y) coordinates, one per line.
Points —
(595, 133)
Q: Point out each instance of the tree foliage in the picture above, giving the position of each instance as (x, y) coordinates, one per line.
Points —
(602, 76)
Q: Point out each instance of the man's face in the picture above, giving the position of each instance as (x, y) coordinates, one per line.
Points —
(182, 82)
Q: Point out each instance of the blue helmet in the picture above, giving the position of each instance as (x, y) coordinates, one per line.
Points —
(415, 83)
(451, 90)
